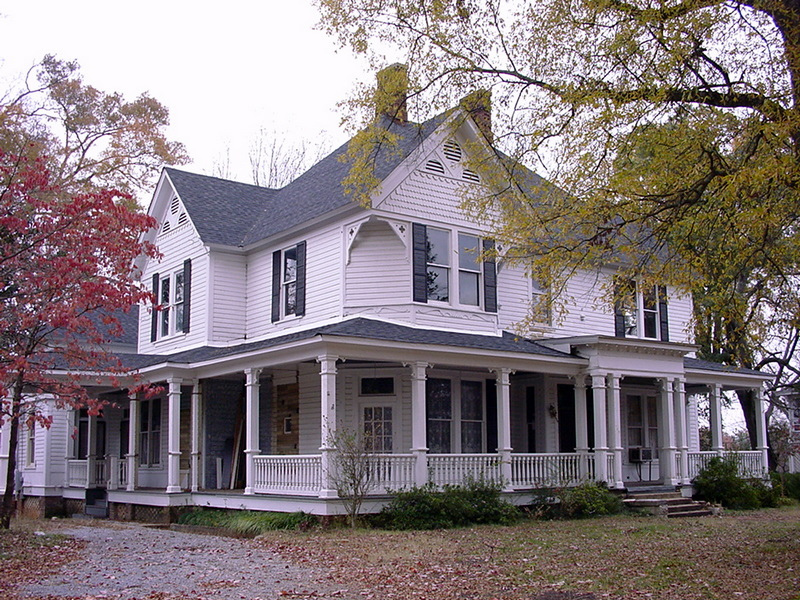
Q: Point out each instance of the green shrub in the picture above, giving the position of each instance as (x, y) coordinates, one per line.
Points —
(787, 484)
(429, 507)
(588, 499)
(719, 482)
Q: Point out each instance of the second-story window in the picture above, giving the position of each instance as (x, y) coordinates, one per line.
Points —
(640, 310)
(289, 282)
(172, 293)
(449, 267)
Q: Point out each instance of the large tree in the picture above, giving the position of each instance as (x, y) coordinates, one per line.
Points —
(86, 137)
(671, 129)
(66, 271)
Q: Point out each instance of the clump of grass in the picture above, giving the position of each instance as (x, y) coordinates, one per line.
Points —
(247, 522)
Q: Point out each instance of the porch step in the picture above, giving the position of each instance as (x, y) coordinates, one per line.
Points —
(667, 503)
(96, 505)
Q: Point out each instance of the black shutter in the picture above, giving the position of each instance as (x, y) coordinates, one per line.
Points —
(276, 285)
(419, 235)
(663, 319)
(300, 285)
(187, 294)
(154, 314)
(489, 278)
(619, 313)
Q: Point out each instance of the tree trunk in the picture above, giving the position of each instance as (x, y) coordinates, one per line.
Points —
(8, 505)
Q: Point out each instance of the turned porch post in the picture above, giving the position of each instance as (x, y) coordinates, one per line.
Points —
(197, 430)
(615, 428)
(600, 423)
(681, 428)
(761, 430)
(91, 451)
(715, 417)
(327, 375)
(174, 435)
(504, 424)
(133, 443)
(582, 425)
(252, 393)
(666, 458)
(419, 435)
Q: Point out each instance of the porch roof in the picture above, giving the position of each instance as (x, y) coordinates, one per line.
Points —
(361, 328)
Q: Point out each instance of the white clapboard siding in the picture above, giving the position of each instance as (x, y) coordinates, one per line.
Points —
(379, 269)
(176, 246)
(310, 408)
(588, 311)
(323, 282)
(228, 296)
(513, 295)
(680, 309)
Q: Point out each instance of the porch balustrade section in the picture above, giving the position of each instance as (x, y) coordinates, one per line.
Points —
(291, 474)
(748, 462)
(456, 469)
(80, 474)
(552, 469)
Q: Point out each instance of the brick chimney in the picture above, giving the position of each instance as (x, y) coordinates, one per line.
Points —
(391, 93)
(478, 105)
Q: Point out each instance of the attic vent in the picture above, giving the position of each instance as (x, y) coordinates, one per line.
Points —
(174, 205)
(166, 227)
(471, 176)
(434, 166)
(452, 151)
(183, 218)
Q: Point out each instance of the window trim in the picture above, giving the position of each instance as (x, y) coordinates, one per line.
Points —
(280, 284)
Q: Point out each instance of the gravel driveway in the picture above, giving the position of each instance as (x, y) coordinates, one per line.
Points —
(124, 561)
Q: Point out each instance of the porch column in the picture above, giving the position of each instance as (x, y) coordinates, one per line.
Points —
(133, 444)
(600, 424)
(761, 430)
(715, 417)
(252, 392)
(504, 425)
(197, 426)
(174, 435)
(615, 428)
(91, 449)
(681, 428)
(666, 458)
(419, 435)
(327, 375)
(582, 426)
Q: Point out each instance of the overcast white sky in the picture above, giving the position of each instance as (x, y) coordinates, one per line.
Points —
(224, 69)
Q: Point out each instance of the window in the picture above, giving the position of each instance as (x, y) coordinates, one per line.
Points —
(378, 429)
(455, 416)
(288, 282)
(640, 311)
(30, 445)
(172, 293)
(541, 307)
(436, 252)
(377, 386)
(438, 264)
(150, 433)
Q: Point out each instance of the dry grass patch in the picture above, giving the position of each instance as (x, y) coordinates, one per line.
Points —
(738, 556)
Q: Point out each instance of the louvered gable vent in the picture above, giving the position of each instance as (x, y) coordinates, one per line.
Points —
(452, 151)
(469, 175)
(434, 166)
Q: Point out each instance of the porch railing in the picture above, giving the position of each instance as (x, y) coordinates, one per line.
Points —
(550, 469)
(455, 469)
(391, 472)
(293, 474)
(749, 462)
(78, 474)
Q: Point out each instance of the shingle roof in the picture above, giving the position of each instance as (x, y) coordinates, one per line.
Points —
(238, 214)
(707, 365)
(357, 328)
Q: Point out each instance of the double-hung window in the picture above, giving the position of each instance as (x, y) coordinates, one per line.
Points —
(150, 433)
(640, 311)
(172, 294)
(455, 413)
(449, 268)
(289, 282)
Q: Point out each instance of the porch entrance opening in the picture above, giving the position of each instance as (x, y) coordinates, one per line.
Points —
(567, 433)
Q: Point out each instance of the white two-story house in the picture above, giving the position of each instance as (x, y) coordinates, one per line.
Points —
(288, 316)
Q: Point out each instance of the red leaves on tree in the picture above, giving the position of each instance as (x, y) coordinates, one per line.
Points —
(66, 269)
